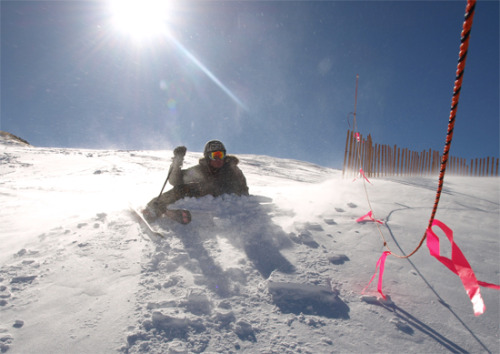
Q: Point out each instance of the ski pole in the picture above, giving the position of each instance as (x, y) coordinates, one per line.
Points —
(179, 153)
(164, 184)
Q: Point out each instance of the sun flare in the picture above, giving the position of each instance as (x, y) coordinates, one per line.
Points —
(140, 19)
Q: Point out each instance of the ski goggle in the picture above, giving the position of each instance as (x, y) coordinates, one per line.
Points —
(217, 155)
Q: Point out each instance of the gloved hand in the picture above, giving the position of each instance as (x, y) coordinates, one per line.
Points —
(179, 153)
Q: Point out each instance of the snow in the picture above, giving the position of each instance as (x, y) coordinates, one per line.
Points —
(281, 271)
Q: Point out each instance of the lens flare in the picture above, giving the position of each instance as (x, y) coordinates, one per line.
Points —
(205, 70)
(171, 104)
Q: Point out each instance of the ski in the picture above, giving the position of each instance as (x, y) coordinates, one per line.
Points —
(146, 225)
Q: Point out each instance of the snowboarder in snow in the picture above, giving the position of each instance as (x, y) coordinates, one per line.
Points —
(216, 173)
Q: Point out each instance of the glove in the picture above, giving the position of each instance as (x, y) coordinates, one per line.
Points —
(179, 153)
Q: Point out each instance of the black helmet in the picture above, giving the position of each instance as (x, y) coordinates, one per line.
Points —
(213, 145)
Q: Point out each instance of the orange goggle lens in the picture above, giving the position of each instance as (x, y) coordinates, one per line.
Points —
(217, 155)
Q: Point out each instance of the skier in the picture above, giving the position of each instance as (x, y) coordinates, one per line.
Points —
(215, 174)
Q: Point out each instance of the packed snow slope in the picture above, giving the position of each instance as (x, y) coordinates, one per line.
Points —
(281, 271)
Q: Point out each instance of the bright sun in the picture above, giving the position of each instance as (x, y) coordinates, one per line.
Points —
(141, 19)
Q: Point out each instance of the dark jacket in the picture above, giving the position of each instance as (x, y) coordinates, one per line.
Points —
(229, 179)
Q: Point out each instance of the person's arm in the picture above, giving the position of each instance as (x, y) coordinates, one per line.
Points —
(239, 181)
(242, 183)
(176, 174)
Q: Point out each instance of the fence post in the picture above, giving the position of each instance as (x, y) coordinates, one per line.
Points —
(352, 152)
(407, 157)
(398, 169)
(369, 165)
(379, 161)
(345, 153)
(393, 160)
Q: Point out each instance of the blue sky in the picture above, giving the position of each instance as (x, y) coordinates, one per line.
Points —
(269, 77)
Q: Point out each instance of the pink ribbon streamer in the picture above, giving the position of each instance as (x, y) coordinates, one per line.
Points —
(369, 215)
(381, 265)
(362, 173)
(459, 265)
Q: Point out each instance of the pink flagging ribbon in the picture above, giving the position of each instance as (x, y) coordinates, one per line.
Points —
(362, 174)
(369, 215)
(380, 265)
(358, 138)
(458, 264)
